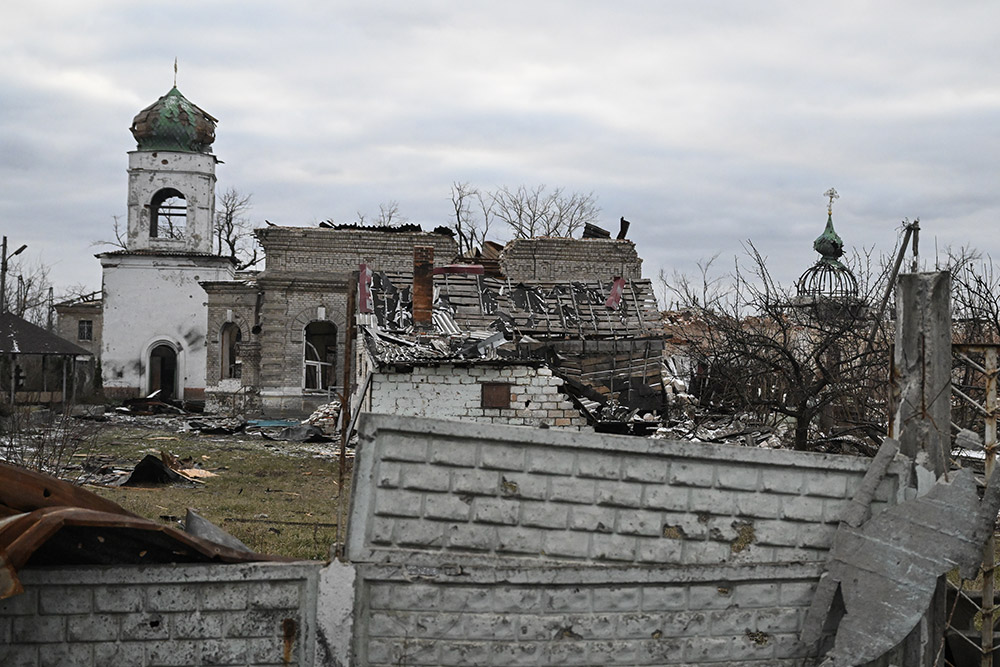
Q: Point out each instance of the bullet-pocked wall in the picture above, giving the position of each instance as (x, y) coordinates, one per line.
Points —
(486, 544)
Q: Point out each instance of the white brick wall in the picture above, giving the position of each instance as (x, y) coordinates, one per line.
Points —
(452, 391)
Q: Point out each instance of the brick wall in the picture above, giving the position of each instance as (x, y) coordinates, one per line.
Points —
(596, 549)
(455, 392)
(259, 614)
(337, 252)
(551, 258)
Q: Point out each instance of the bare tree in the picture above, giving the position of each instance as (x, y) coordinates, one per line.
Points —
(234, 230)
(764, 350)
(388, 214)
(29, 291)
(473, 216)
(975, 298)
(120, 240)
(531, 212)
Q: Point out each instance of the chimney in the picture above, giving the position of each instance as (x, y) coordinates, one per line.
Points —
(423, 288)
(623, 228)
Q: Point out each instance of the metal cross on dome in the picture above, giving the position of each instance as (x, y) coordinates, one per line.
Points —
(832, 194)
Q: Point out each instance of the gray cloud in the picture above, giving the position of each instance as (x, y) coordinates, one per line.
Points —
(706, 124)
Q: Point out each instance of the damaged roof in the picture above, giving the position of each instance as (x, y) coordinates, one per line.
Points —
(571, 309)
(389, 348)
(45, 521)
(604, 337)
(18, 336)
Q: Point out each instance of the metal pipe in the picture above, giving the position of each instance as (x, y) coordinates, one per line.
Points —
(910, 229)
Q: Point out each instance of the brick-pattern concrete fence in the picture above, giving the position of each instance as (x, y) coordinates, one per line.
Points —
(482, 545)
(257, 614)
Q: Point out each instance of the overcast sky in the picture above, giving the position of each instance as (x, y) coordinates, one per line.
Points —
(704, 123)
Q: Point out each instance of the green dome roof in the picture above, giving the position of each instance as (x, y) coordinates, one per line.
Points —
(829, 244)
(172, 123)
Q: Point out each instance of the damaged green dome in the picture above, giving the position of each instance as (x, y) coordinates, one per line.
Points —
(172, 123)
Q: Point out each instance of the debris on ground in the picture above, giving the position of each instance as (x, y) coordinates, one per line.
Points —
(298, 433)
(165, 470)
(218, 426)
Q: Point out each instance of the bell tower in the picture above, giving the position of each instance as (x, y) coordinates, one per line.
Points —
(154, 313)
(171, 177)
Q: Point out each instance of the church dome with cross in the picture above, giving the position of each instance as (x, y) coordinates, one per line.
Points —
(173, 123)
(828, 278)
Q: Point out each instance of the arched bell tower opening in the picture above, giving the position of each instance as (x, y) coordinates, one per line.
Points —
(167, 214)
(171, 197)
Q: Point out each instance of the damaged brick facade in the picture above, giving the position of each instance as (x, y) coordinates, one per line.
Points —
(308, 274)
(550, 258)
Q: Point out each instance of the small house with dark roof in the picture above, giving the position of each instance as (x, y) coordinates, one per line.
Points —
(27, 350)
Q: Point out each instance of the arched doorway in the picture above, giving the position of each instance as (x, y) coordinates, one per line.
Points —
(320, 355)
(163, 371)
(229, 340)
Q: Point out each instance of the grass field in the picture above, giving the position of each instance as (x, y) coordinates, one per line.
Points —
(278, 498)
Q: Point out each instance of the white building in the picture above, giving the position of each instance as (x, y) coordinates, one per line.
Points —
(154, 310)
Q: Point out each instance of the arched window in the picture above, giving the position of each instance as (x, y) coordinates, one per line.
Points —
(228, 340)
(320, 355)
(167, 214)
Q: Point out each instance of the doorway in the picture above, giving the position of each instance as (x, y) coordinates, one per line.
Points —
(163, 371)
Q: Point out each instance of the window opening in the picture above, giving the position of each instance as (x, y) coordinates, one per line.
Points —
(320, 356)
(85, 330)
(168, 214)
(229, 341)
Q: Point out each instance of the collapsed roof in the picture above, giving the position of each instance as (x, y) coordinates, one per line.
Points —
(603, 336)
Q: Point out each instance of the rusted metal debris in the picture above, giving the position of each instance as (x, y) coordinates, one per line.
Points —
(48, 522)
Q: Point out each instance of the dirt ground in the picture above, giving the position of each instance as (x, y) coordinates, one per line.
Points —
(277, 497)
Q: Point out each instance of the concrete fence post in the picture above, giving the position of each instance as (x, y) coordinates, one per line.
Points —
(923, 374)
(923, 367)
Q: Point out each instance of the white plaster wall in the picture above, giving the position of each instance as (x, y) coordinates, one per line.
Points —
(154, 299)
(193, 174)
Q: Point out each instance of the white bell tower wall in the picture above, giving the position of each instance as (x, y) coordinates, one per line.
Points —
(171, 201)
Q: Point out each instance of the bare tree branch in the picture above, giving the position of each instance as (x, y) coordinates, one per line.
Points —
(763, 350)
(233, 229)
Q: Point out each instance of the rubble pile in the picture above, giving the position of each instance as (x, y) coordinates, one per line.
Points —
(325, 418)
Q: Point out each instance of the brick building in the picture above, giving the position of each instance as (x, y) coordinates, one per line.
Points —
(276, 340)
(547, 259)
